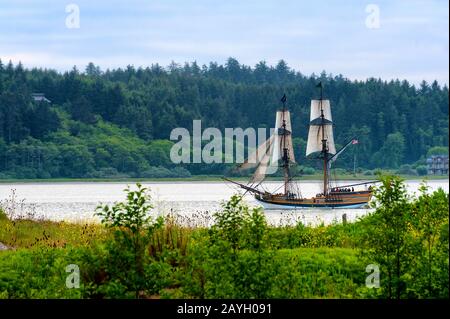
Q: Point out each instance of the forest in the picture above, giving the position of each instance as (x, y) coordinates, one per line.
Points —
(117, 123)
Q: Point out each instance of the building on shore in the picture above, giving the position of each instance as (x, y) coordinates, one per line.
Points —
(437, 165)
(39, 97)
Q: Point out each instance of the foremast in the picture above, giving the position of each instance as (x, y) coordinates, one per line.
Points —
(285, 158)
(276, 152)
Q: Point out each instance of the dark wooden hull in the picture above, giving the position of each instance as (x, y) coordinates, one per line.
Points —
(340, 200)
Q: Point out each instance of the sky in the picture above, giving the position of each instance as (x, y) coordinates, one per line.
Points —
(405, 39)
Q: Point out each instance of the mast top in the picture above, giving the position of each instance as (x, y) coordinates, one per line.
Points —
(319, 85)
(283, 100)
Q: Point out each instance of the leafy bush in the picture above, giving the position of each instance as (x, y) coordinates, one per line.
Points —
(162, 172)
(406, 170)
(429, 223)
(285, 273)
(387, 236)
(133, 227)
(38, 273)
(181, 172)
(308, 171)
(421, 170)
(405, 237)
(340, 171)
(238, 226)
(3, 215)
(107, 172)
(437, 150)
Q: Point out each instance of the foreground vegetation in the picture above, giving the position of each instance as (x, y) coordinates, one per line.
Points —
(135, 253)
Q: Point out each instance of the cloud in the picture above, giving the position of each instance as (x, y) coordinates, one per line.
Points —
(412, 40)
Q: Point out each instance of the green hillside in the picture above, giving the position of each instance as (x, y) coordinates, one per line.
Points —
(117, 123)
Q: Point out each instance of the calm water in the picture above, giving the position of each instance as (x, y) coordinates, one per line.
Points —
(194, 202)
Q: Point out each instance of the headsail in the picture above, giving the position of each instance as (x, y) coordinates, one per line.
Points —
(257, 156)
(260, 173)
(316, 132)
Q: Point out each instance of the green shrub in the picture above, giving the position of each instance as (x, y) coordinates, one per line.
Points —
(38, 273)
(3, 215)
(162, 172)
(340, 171)
(406, 170)
(133, 227)
(421, 170)
(429, 223)
(386, 235)
(318, 273)
(308, 171)
(437, 150)
(285, 273)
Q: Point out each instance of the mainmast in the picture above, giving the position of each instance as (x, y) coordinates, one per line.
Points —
(324, 143)
(320, 135)
(285, 157)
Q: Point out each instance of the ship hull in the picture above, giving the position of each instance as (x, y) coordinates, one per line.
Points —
(349, 201)
(273, 206)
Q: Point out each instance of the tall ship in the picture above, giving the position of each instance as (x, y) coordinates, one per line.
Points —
(277, 152)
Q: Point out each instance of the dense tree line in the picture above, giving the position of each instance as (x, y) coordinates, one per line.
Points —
(118, 122)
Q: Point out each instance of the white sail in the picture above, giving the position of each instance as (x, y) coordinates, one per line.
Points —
(278, 137)
(270, 151)
(316, 134)
(316, 106)
(255, 158)
(264, 164)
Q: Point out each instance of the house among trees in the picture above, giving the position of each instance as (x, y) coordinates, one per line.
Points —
(437, 165)
(39, 97)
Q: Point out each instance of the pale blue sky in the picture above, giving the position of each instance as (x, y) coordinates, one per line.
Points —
(311, 36)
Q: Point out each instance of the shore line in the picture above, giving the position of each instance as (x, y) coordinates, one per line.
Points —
(201, 179)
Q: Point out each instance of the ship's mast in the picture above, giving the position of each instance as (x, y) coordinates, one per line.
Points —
(285, 157)
(324, 144)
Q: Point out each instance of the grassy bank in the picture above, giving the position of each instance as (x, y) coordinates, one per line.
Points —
(134, 254)
(20, 234)
(300, 262)
(291, 273)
